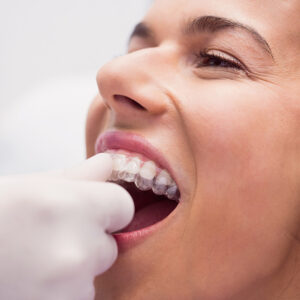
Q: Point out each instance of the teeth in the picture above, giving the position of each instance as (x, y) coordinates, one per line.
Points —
(161, 183)
(142, 183)
(172, 192)
(148, 171)
(144, 180)
(146, 176)
(119, 162)
(130, 170)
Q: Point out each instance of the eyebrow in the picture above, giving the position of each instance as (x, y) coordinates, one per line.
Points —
(141, 30)
(206, 24)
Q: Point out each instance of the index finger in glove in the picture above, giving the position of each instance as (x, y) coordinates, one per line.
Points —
(96, 168)
(112, 205)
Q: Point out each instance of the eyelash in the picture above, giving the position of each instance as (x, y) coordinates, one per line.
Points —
(222, 60)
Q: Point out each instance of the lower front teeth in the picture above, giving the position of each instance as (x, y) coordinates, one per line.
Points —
(144, 175)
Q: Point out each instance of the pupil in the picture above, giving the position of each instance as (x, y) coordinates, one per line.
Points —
(215, 62)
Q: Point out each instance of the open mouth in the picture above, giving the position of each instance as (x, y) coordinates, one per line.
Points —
(145, 173)
(154, 192)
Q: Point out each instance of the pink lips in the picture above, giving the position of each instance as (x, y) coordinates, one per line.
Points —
(134, 143)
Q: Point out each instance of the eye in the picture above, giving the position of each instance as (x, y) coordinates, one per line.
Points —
(217, 59)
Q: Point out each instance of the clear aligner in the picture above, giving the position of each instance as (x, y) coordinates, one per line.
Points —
(130, 170)
(161, 183)
(143, 184)
(145, 175)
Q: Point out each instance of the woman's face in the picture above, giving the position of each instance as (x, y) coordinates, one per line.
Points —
(217, 85)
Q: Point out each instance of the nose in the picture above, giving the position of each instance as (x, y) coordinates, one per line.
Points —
(131, 87)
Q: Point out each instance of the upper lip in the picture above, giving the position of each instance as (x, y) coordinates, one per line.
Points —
(133, 143)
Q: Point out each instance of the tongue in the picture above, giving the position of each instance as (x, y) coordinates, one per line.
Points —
(150, 215)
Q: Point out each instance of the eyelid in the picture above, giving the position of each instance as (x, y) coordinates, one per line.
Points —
(235, 60)
(227, 56)
(222, 54)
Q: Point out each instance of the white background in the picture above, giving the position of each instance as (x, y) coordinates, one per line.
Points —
(50, 52)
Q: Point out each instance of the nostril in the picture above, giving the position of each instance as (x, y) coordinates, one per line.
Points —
(127, 100)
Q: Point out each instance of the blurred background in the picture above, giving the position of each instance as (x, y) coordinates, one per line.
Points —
(49, 56)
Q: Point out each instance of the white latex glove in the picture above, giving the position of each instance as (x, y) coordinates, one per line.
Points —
(55, 231)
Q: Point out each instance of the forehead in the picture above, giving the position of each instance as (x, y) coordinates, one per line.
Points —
(274, 19)
(260, 9)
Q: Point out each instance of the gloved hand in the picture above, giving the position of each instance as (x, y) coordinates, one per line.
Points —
(55, 231)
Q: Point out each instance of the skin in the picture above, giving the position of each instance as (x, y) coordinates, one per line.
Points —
(235, 146)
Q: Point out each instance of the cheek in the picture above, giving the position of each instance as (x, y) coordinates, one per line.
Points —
(243, 144)
(241, 136)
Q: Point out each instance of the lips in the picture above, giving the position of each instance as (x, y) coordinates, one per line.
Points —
(152, 211)
(133, 143)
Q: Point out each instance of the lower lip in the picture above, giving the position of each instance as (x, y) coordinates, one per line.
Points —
(128, 240)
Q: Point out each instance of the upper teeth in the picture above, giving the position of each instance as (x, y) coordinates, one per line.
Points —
(146, 175)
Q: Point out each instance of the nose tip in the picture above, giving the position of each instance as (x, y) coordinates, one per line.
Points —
(129, 84)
